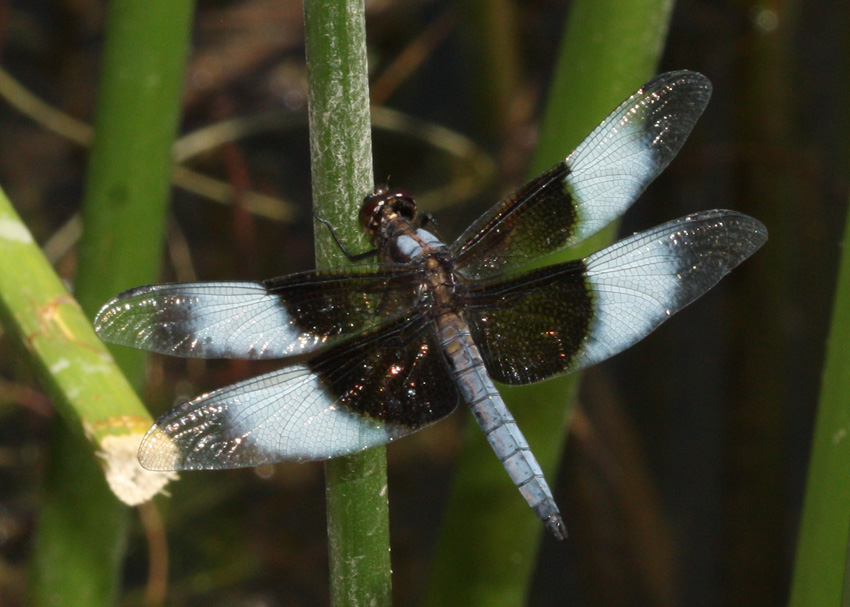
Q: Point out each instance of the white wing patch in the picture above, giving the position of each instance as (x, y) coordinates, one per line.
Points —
(641, 281)
(282, 416)
(632, 146)
(608, 171)
(204, 320)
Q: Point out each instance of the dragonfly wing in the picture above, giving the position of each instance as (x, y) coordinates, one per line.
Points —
(594, 185)
(572, 315)
(281, 317)
(367, 391)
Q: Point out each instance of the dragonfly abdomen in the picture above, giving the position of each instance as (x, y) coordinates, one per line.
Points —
(497, 422)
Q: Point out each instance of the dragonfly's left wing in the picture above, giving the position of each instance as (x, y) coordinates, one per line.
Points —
(295, 314)
(366, 391)
(573, 315)
(591, 187)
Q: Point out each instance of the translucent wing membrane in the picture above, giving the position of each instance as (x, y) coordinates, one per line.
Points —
(280, 317)
(572, 315)
(592, 186)
(361, 393)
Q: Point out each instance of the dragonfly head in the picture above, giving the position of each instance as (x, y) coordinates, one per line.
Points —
(381, 202)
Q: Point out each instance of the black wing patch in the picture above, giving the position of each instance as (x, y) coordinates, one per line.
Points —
(367, 391)
(531, 327)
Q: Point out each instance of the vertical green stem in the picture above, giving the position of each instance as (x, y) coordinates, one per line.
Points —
(821, 577)
(487, 547)
(493, 43)
(129, 176)
(340, 128)
(125, 201)
(759, 403)
(82, 530)
(341, 154)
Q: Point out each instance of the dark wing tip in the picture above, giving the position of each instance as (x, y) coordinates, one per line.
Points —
(755, 230)
(103, 325)
(744, 234)
(699, 83)
(101, 319)
(159, 452)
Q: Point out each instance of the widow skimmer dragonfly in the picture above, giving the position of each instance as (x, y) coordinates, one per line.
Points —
(379, 352)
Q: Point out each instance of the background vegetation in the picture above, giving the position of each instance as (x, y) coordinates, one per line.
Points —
(684, 473)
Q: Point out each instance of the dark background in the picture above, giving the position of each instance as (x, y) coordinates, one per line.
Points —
(684, 473)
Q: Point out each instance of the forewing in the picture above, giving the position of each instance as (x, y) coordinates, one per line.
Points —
(595, 184)
(285, 316)
(572, 315)
(364, 392)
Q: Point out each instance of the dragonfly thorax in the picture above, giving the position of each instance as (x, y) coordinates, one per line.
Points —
(438, 282)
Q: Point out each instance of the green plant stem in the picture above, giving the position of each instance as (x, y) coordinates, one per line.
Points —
(125, 200)
(759, 413)
(821, 576)
(95, 401)
(76, 370)
(487, 547)
(492, 43)
(341, 154)
(72, 364)
(128, 182)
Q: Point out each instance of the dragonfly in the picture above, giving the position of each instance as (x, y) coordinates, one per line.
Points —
(374, 352)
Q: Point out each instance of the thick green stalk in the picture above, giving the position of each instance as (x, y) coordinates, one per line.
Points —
(492, 42)
(125, 201)
(76, 559)
(76, 370)
(754, 504)
(128, 182)
(821, 576)
(488, 544)
(341, 154)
